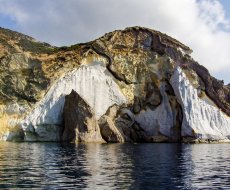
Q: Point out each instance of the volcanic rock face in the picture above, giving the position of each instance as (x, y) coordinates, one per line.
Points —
(134, 85)
(79, 120)
(200, 117)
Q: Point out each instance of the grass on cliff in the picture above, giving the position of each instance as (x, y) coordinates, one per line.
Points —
(73, 47)
(10, 48)
(35, 47)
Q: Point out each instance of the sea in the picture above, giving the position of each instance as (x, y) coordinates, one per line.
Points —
(162, 166)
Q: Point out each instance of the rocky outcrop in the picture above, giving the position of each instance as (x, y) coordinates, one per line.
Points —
(79, 120)
(132, 85)
(91, 81)
(201, 118)
(21, 79)
(214, 88)
(108, 128)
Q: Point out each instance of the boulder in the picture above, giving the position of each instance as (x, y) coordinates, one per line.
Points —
(80, 123)
(109, 130)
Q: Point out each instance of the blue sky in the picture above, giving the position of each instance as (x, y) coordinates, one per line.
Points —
(203, 25)
(7, 22)
(226, 5)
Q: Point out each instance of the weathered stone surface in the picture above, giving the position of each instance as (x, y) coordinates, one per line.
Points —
(79, 120)
(91, 81)
(118, 125)
(21, 79)
(46, 132)
(201, 120)
(109, 131)
(214, 88)
(161, 120)
(14, 134)
(132, 85)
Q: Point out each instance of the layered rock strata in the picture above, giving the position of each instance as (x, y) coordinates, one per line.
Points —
(132, 85)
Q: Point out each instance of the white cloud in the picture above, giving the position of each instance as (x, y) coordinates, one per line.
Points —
(200, 24)
(212, 13)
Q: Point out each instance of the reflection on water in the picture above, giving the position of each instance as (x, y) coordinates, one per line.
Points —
(114, 166)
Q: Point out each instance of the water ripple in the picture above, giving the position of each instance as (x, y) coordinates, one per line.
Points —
(114, 166)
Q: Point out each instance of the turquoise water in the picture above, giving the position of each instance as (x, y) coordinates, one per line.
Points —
(114, 166)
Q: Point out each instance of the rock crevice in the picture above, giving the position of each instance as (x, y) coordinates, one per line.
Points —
(131, 85)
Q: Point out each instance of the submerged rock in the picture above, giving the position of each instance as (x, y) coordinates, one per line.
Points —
(132, 85)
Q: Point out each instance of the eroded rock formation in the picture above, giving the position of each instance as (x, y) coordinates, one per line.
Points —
(132, 85)
(80, 123)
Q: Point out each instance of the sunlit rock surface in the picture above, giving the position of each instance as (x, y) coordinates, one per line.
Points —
(131, 85)
(201, 119)
(92, 82)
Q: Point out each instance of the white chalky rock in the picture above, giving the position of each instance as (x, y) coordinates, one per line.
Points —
(91, 81)
(200, 119)
(159, 120)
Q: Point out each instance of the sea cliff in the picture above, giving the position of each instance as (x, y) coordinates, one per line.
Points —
(131, 85)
